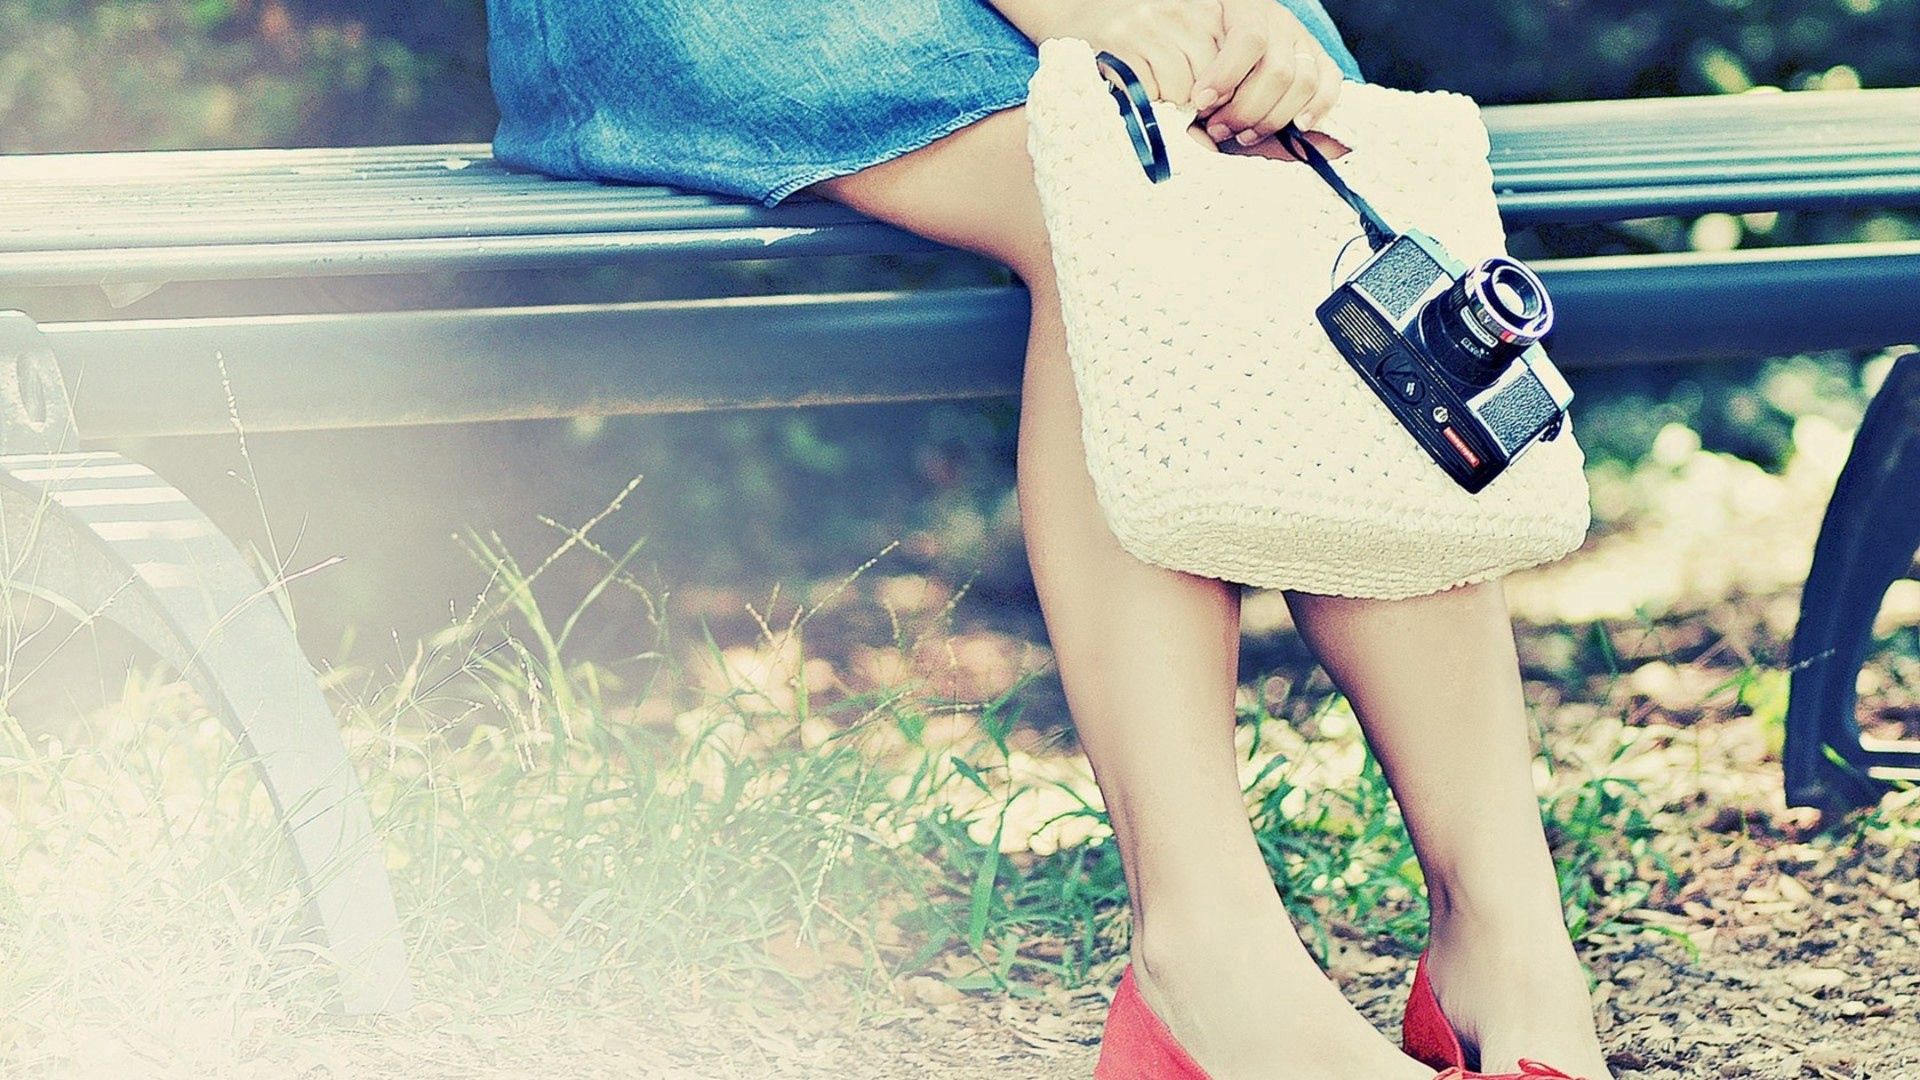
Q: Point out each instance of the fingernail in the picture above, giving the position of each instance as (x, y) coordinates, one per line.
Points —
(1219, 132)
(1248, 137)
(1204, 97)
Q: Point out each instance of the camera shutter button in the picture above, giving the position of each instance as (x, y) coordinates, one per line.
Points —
(1399, 372)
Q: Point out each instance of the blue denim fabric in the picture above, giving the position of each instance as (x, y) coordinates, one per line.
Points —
(755, 98)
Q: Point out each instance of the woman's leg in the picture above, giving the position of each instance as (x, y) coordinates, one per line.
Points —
(1435, 682)
(1148, 659)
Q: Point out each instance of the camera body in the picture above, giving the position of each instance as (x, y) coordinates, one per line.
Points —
(1453, 351)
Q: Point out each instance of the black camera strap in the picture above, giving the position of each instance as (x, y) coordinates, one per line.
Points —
(1379, 233)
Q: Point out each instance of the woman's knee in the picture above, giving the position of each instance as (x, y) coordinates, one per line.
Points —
(972, 189)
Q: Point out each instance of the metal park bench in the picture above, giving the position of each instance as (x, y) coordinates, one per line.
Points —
(104, 538)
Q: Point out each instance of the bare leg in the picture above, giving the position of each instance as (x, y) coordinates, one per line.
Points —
(1148, 659)
(1436, 684)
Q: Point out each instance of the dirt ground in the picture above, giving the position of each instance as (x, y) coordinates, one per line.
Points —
(1797, 974)
(1804, 968)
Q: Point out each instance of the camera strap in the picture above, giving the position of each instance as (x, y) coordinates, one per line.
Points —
(1379, 233)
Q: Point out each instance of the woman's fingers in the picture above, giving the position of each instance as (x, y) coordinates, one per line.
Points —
(1249, 100)
(1324, 95)
(1300, 90)
(1243, 41)
(1173, 49)
(1193, 41)
(1164, 72)
(1275, 80)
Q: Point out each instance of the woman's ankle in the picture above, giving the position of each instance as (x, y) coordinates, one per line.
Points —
(1174, 941)
(1505, 895)
(1528, 939)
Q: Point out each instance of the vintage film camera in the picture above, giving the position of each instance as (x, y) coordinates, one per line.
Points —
(1453, 350)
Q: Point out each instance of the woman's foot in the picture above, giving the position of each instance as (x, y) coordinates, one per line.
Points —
(1510, 983)
(1243, 997)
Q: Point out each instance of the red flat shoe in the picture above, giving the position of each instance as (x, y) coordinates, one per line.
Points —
(1428, 1037)
(1136, 1044)
(1529, 1070)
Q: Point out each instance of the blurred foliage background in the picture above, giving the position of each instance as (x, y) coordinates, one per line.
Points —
(120, 74)
(746, 499)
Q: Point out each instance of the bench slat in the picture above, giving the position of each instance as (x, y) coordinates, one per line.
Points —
(222, 214)
(241, 262)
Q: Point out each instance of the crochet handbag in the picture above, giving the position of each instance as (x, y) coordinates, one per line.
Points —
(1225, 434)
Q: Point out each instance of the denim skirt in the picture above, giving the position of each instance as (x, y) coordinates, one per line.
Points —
(755, 98)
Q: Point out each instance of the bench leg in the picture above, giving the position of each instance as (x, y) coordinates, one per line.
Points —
(104, 538)
(1867, 542)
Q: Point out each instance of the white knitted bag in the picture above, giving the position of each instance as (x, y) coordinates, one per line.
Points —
(1225, 434)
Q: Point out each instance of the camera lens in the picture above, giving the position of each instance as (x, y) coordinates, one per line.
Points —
(1491, 315)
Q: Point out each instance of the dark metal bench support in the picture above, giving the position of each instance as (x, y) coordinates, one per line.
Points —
(102, 537)
(1867, 542)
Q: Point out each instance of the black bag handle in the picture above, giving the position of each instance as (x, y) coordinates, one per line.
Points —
(1142, 127)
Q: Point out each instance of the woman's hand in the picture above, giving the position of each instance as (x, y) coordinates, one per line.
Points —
(1166, 42)
(1268, 70)
(1245, 66)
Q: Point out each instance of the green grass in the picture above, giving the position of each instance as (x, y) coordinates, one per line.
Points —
(684, 826)
(559, 845)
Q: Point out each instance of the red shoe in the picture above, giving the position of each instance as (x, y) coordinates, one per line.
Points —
(1428, 1037)
(1136, 1044)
